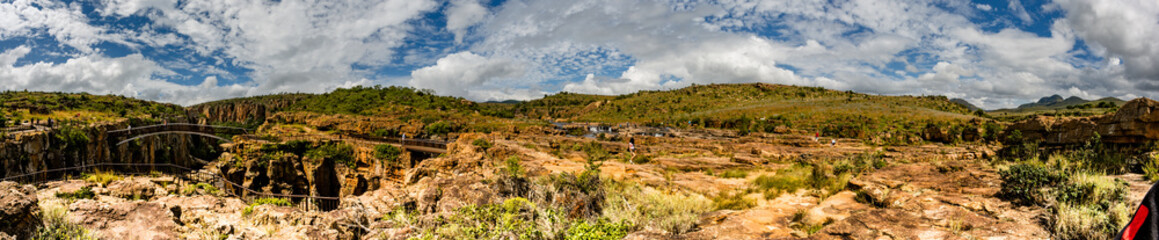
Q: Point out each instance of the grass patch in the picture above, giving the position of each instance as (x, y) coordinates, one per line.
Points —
(189, 190)
(55, 223)
(82, 193)
(265, 201)
(101, 177)
(732, 201)
(650, 208)
(734, 173)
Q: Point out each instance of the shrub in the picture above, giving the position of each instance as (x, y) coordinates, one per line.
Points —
(1090, 190)
(515, 218)
(265, 201)
(649, 208)
(272, 201)
(388, 154)
(513, 167)
(481, 143)
(438, 128)
(1088, 222)
(82, 193)
(191, 189)
(101, 177)
(340, 153)
(72, 137)
(55, 223)
(732, 201)
(1024, 182)
(598, 230)
(1151, 168)
(786, 180)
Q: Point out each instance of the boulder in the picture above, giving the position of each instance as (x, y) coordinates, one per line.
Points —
(125, 220)
(134, 188)
(18, 208)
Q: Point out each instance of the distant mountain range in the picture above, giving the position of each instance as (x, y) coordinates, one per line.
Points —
(1058, 102)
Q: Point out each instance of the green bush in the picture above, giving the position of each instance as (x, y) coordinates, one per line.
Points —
(265, 201)
(481, 143)
(191, 189)
(1090, 190)
(439, 128)
(388, 154)
(72, 137)
(786, 180)
(101, 177)
(339, 152)
(1024, 182)
(598, 230)
(1151, 168)
(513, 167)
(272, 201)
(515, 218)
(82, 193)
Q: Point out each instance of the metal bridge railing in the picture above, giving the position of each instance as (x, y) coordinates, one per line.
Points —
(182, 173)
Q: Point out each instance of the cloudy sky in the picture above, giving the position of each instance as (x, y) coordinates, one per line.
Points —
(993, 53)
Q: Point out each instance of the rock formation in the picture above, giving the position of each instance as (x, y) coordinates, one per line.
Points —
(1136, 122)
(28, 152)
(18, 211)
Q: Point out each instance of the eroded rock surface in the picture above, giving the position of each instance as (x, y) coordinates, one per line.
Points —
(1137, 121)
(17, 211)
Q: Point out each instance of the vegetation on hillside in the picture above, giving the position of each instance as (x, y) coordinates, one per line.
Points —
(20, 106)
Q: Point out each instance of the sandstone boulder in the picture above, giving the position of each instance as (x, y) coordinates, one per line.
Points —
(125, 220)
(134, 188)
(18, 208)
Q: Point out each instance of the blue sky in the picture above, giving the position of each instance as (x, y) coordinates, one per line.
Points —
(994, 54)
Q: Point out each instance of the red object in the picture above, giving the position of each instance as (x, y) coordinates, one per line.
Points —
(1136, 222)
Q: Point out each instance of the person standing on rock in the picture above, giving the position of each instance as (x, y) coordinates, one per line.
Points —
(632, 149)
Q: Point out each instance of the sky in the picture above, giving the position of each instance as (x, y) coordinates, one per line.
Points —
(994, 54)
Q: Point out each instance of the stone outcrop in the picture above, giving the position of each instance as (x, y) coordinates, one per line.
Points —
(28, 152)
(1137, 121)
(17, 211)
(135, 188)
(125, 220)
(250, 111)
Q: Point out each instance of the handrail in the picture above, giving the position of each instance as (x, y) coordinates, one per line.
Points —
(178, 124)
(217, 176)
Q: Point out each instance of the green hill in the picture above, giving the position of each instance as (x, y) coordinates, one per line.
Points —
(80, 107)
(1057, 106)
(758, 108)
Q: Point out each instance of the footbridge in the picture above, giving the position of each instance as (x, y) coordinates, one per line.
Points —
(129, 134)
(420, 145)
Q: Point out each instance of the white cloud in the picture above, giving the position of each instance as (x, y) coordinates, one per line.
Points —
(983, 7)
(1019, 11)
(1125, 30)
(131, 75)
(293, 45)
(64, 22)
(462, 15)
(467, 74)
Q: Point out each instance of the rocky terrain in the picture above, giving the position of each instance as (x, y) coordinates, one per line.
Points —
(516, 178)
(1135, 122)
